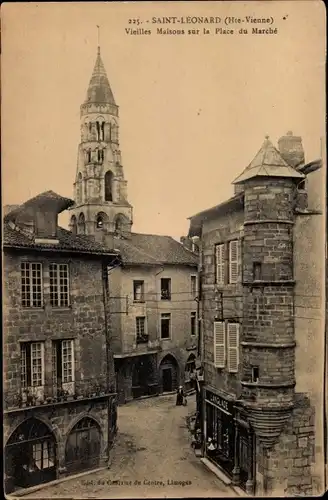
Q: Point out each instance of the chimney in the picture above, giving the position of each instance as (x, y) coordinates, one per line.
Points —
(186, 242)
(291, 149)
(46, 223)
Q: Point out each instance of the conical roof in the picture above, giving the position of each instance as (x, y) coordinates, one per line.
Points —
(268, 163)
(99, 90)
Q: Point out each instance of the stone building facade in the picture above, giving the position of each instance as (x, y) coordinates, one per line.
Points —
(59, 381)
(261, 325)
(154, 285)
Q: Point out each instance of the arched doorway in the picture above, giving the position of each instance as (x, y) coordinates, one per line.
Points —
(169, 373)
(83, 445)
(30, 455)
(190, 369)
(142, 377)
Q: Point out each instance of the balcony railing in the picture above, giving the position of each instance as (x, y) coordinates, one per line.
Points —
(142, 339)
(165, 294)
(56, 393)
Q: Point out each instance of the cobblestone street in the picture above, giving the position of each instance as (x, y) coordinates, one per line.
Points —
(153, 446)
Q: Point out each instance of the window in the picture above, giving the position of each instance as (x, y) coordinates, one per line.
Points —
(32, 367)
(219, 262)
(165, 289)
(109, 186)
(63, 372)
(138, 291)
(301, 186)
(43, 454)
(193, 323)
(193, 285)
(233, 261)
(99, 222)
(233, 347)
(255, 373)
(59, 285)
(31, 283)
(219, 344)
(141, 329)
(257, 270)
(165, 326)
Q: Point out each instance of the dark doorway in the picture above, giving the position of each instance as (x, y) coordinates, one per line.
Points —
(142, 377)
(169, 373)
(30, 456)
(83, 446)
(167, 380)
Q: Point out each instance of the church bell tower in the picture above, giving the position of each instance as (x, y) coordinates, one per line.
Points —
(100, 190)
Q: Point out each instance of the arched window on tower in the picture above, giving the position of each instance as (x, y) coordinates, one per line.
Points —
(81, 224)
(102, 134)
(89, 155)
(100, 155)
(79, 189)
(98, 131)
(101, 220)
(114, 133)
(109, 186)
(120, 223)
(73, 224)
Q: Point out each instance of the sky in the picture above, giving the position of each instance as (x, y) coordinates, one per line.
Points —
(194, 109)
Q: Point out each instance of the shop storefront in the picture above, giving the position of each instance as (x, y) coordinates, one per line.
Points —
(219, 431)
(229, 439)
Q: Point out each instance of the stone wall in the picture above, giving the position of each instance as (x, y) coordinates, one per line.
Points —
(83, 320)
(217, 231)
(61, 419)
(288, 469)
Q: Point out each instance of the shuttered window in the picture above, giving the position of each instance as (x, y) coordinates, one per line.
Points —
(219, 344)
(219, 262)
(233, 347)
(233, 261)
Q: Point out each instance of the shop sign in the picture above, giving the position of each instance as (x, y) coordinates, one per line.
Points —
(221, 403)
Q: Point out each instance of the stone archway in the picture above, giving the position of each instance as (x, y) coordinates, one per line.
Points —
(30, 455)
(83, 445)
(168, 374)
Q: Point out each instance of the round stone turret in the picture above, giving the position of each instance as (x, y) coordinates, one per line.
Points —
(268, 343)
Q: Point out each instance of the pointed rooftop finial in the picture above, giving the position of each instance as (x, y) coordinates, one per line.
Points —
(98, 50)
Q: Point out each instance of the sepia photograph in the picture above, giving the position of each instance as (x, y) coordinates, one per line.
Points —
(164, 249)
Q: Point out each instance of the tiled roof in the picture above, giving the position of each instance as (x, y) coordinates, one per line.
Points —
(13, 238)
(154, 249)
(99, 90)
(268, 162)
(41, 202)
(231, 205)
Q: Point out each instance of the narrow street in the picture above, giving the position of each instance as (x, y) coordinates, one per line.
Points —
(151, 453)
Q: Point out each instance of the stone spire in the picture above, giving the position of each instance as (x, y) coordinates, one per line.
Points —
(99, 90)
